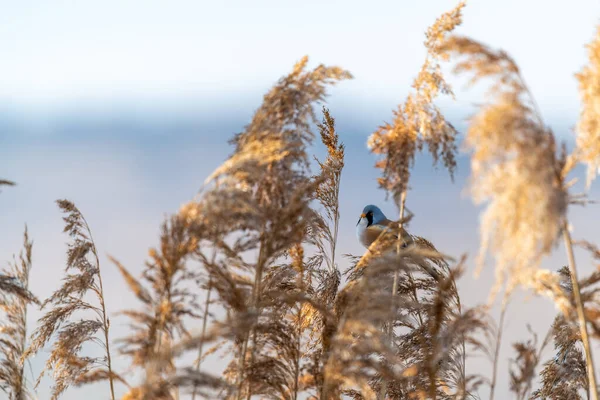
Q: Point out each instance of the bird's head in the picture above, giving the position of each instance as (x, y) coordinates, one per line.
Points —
(372, 214)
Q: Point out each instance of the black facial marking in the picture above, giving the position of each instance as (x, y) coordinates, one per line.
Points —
(370, 218)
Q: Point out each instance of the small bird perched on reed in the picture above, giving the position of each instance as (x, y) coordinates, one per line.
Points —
(373, 223)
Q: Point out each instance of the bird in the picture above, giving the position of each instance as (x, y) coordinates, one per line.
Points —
(373, 222)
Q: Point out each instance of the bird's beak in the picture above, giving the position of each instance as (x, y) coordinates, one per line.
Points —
(361, 217)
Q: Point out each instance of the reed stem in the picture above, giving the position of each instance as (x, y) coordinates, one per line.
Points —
(581, 315)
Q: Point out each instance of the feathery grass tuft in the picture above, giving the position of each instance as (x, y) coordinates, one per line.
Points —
(66, 362)
(522, 370)
(13, 328)
(419, 121)
(325, 236)
(167, 304)
(515, 166)
(565, 375)
(264, 190)
(588, 127)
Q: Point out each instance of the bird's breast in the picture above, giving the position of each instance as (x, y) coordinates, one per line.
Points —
(361, 233)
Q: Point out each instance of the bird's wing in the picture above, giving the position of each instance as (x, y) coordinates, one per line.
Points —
(391, 227)
(387, 222)
(372, 233)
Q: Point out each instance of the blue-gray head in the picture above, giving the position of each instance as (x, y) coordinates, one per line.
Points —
(373, 215)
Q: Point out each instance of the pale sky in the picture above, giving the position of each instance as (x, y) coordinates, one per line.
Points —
(126, 107)
(68, 53)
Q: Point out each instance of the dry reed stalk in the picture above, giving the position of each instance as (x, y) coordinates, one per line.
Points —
(498, 342)
(565, 375)
(67, 365)
(280, 114)
(297, 259)
(156, 385)
(588, 126)
(382, 392)
(351, 363)
(166, 305)
(515, 166)
(587, 152)
(593, 387)
(367, 281)
(524, 365)
(326, 238)
(203, 333)
(361, 354)
(417, 122)
(264, 190)
(328, 191)
(13, 331)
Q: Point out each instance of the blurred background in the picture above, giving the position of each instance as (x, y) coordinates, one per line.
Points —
(125, 108)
